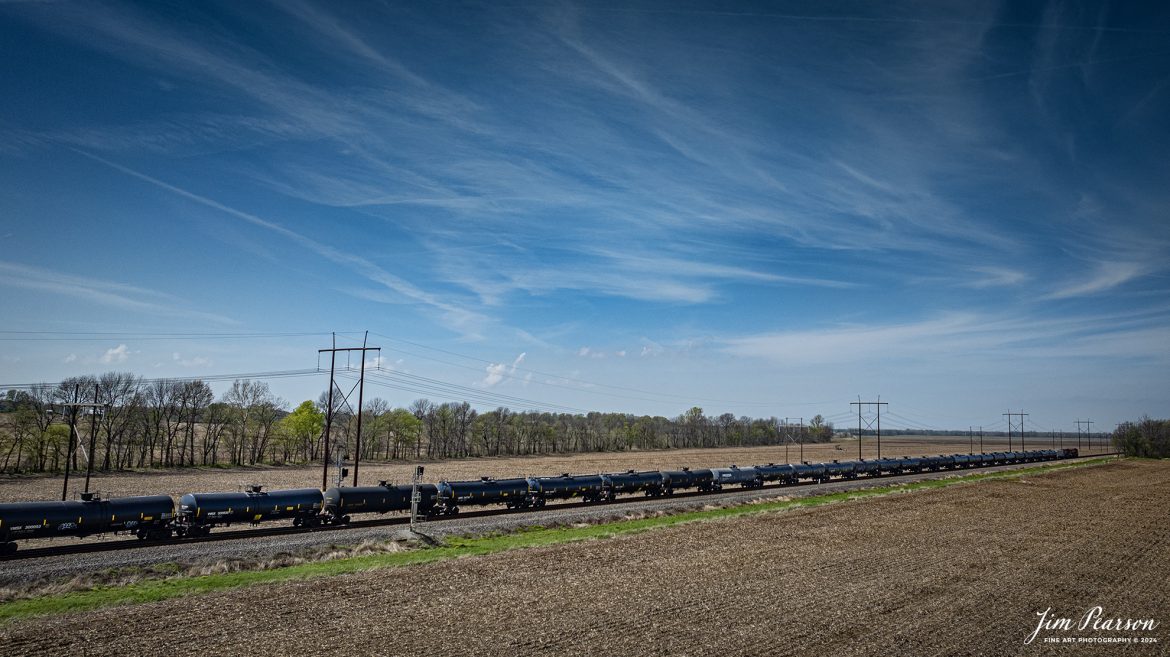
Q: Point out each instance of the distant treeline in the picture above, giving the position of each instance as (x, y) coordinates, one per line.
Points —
(161, 423)
(1146, 437)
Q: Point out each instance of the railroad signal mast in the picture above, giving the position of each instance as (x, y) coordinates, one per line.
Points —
(415, 496)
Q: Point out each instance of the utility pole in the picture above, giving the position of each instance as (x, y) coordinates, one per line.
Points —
(69, 452)
(970, 439)
(879, 405)
(357, 453)
(800, 434)
(787, 439)
(1088, 426)
(95, 412)
(980, 440)
(788, 434)
(345, 398)
(74, 444)
(1010, 415)
(329, 414)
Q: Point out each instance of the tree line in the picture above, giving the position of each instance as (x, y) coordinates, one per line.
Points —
(1146, 437)
(134, 423)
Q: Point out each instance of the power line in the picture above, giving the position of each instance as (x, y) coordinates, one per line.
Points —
(278, 374)
(423, 385)
(93, 336)
(575, 380)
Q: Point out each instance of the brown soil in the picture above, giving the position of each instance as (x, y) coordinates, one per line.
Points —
(963, 570)
(176, 483)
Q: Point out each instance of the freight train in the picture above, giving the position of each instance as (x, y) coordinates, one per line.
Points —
(156, 517)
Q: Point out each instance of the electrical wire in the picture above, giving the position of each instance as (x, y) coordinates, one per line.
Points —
(280, 374)
(457, 394)
(93, 336)
(573, 379)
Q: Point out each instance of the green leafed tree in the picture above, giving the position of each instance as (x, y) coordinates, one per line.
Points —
(303, 428)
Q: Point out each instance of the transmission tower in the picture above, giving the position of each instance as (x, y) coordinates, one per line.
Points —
(1020, 415)
(879, 405)
(360, 387)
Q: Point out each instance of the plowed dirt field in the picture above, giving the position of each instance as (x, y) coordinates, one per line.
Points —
(961, 570)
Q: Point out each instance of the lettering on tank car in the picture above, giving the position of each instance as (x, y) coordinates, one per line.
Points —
(66, 526)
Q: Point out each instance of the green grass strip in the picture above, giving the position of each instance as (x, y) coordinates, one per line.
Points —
(156, 590)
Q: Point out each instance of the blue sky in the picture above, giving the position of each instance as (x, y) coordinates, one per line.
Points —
(761, 208)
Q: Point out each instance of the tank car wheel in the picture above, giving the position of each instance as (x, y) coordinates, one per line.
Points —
(7, 549)
(296, 522)
(142, 534)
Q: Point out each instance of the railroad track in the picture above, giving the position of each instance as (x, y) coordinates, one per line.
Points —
(243, 534)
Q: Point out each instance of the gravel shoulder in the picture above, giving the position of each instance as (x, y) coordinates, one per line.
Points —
(961, 570)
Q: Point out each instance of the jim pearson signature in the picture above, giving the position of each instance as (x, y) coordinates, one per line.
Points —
(1094, 619)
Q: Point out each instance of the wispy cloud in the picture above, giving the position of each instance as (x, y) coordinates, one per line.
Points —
(996, 277)
(196, 361)
(107, 293)
(1107, 276)
(461, 318)
(961, 339)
